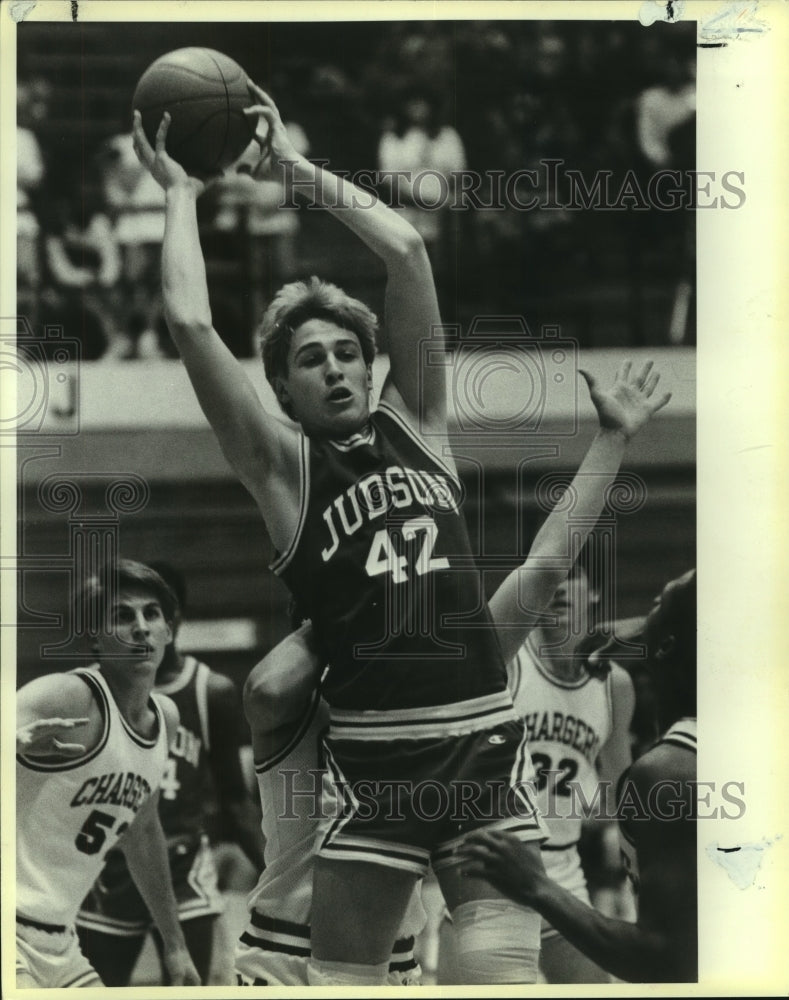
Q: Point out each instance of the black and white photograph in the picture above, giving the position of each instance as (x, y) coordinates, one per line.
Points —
(395, 377)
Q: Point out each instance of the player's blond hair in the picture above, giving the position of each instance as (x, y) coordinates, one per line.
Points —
(300, 301)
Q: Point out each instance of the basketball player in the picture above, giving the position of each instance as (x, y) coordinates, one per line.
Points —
(363, 509)
(657, 812)
(113, 920)
(91, 751)
(579, 740)
(288, 717)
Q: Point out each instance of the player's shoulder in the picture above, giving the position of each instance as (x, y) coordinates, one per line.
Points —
(623, 692)
(59, 694)
(216, 683)
(171, 714)
(664, 762)
(620, 678)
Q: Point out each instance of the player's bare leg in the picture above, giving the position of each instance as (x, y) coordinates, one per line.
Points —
(368, 902)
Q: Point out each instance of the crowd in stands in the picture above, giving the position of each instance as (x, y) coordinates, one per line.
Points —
(438, 100)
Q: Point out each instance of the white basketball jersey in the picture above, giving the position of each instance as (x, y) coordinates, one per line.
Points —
(276, 943)
(567, 723)
(71, 812)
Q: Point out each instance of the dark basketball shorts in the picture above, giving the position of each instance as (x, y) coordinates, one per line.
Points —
(114, 905)
(408, 803)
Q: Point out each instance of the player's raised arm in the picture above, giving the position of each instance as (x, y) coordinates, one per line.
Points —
(622, 411)
(411, 309)
(256, 443)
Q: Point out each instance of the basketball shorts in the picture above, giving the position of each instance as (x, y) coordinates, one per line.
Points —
(564, 866)
(114, 905)
(52, 958)
(409, 803)
(275, 952)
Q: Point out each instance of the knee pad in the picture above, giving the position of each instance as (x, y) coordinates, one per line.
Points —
(497, 942)
(321, 973)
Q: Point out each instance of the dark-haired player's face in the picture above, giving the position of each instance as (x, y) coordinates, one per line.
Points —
(138, 631)
(658, 627)
(328, 382)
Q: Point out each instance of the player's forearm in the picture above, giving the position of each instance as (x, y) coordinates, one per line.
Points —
(588, 491)
(529, 589)
(146, 856)
(624, 949)
(184, 283)
(387, 233)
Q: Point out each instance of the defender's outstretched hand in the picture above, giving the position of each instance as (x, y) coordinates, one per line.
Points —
(162, 167)
(272, 137)
(41, 738)
(630, 402)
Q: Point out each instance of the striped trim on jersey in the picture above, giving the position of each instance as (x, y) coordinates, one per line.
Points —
(345, 847)
(289, 938)
(279, 564)
(424, 722)
(681, 734)
(392, 414)
(362, 437)
(147, 742)
(528, 829)
(267, 763)
(111, 925)
(35, 764)
(560, 682)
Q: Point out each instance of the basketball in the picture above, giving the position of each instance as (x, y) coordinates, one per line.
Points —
(205, 93)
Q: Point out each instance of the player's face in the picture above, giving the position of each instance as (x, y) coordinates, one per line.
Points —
(328, 382)
(571, 605)
(138, 631)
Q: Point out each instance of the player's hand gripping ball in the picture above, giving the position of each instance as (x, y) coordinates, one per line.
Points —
(205, 93)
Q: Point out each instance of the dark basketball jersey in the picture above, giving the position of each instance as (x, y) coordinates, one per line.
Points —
(187, 780)
(382, 564)
(683, 734)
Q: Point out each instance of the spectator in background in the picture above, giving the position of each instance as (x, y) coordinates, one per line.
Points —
(663, 110)
(204, 760)
(253, 209)
(32, 107)
(81, 271)
(429, 154)
(136, 204)
(665, 133)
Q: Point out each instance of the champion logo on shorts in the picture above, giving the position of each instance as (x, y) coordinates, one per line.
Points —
(496, 738)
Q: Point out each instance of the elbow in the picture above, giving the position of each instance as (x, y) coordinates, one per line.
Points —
(408, 248)
(185, 322)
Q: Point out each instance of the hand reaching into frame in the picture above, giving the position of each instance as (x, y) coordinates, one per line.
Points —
(630, 402)
(41, 738)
